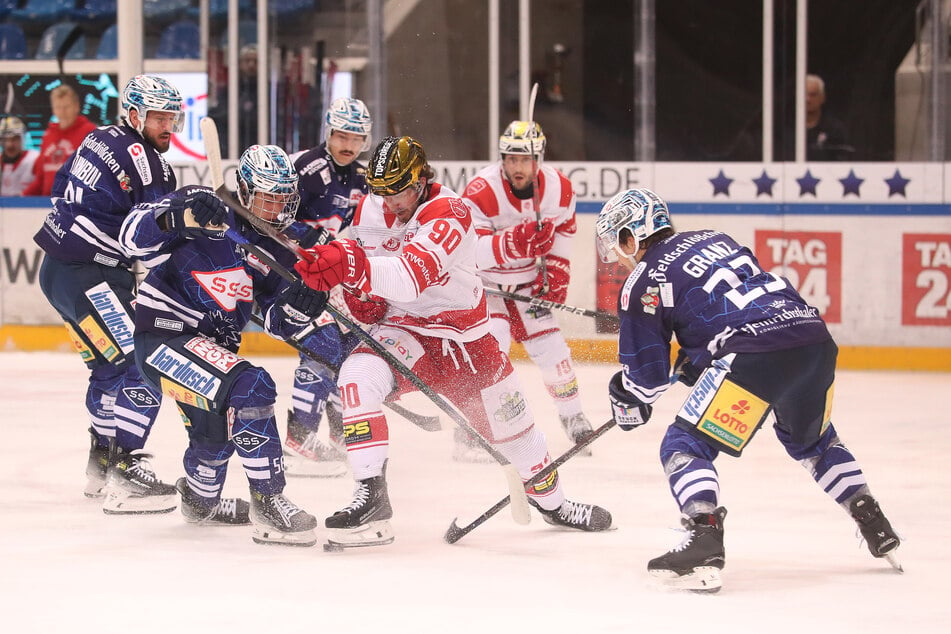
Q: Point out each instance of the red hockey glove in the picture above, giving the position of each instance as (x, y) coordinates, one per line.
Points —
(524, 241)
(340, 262)
(558, 276)
(369, 311)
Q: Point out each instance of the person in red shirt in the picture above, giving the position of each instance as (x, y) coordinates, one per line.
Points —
(16, 163)
(60, 139)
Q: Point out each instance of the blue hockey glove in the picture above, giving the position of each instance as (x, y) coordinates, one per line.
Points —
(627, 409)
(314, 236)
(302, 304)
(684, 371)
(196, 211)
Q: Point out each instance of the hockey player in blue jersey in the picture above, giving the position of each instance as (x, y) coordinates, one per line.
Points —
(89, 281)
(192, 306)
(749, 346)
(332, 182)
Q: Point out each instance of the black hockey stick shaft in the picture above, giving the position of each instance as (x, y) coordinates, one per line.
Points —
(545, 303)
(456, 532)
(427, 423)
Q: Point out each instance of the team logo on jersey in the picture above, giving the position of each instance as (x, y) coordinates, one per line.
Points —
(248, 440)
(125, 182)
(141, 162)
(458, 208)
(651, 300)
(226, 287)
(216, 356)
(476, 186)
(141, 397)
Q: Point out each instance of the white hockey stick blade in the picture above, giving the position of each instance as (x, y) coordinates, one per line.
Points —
(209, 136)
(531, 102)
(521, 512)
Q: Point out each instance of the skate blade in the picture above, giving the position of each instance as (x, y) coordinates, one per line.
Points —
(703, 579)
(270, 536)
(893, 560)
(125, 504)
(378, 533)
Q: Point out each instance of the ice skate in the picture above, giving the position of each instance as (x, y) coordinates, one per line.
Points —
(881, 539)
(695, 564)
(575, 515)
(365, 521)
(133, 488)
(277, 520)
(96, 468)
(467, 449)
(577, 428)
(197, 510)
(306, 456)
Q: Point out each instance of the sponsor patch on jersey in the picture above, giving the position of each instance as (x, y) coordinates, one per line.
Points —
(248, 440)
(357, 432)
(78, 344)
(105, 260)
(629, 284)
(141, 397)
(113, 315)
(125, 182)
(169, 324)
(650, 300)
(185, 372)
(732, 417)
(216, 356)
(141, 162)
(401, 345)
(100, 340)
(306, 376)
(226, 287)
(183, 395)
(666, 294)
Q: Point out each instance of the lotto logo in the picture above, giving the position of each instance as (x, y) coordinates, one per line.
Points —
(740, 408)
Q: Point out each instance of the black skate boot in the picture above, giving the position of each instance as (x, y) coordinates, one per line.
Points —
(96, 467)
(696, 563)
(132, 487)
(306, 456)
(364, 522)
(277, 520)
(227, 512)
(582, 517)
(881, 539)
(577, 428)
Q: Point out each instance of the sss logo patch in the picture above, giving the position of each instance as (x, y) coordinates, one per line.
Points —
(141, 397)
(249, 440)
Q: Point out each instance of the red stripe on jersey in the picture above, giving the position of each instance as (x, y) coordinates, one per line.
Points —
(566, 190)
(568, 228)
(481, 195)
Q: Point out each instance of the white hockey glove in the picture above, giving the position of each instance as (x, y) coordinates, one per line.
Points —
(627, 409)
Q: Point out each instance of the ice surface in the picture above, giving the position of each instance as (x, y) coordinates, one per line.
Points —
(794, 563)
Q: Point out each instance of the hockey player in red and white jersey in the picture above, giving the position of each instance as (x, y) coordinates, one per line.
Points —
(410, 270)
(524, 215)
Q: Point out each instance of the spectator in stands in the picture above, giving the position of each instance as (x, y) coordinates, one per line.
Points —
(61, 139)
(247, 101)
(16, 166)
(825, 135)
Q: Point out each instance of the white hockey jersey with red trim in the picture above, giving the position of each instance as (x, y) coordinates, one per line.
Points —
(494, 208)
(425, 268)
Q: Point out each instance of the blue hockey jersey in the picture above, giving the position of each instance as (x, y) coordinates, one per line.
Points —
(329, 192)
(710, 292)
(113, 170)
(205, 284)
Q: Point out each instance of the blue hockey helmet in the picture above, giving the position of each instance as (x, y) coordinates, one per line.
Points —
(151, 92)
(347, 114)
(640, 211)
(267, 184)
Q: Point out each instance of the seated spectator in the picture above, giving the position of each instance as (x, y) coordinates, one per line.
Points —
(825, 135)
(16, 166)
(60, 139)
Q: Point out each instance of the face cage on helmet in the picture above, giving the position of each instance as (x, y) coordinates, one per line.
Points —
(257, 204)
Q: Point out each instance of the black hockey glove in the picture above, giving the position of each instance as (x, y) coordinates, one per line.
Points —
(684, 371)
(302, 304)
(627, 409)
(196, 211)
(314, 236)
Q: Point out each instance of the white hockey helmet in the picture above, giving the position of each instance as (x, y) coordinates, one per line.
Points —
(11, 127)
(523, 137)
(347, 114)
(640, 211)
(267, 170)
(151, 92)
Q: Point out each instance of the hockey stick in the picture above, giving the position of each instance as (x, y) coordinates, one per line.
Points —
(545, 303)
(520, 509)
(426, 423)
(540, 263)
(456, 532)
